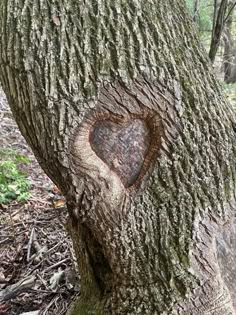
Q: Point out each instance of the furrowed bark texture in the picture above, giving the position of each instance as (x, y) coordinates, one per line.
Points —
(89, 78)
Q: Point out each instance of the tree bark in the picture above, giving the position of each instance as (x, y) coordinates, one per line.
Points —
(217, 27)
(228, 49)
(229, 60)
(232, 78)
(124, 114)
(196, 10)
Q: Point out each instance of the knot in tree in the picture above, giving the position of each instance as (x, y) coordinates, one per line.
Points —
(123, 147)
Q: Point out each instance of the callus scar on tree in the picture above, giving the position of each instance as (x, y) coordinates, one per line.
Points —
(124, 145)
(117, 148)
(120, 149)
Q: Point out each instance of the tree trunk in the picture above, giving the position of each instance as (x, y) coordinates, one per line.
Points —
(228, 43)
(232, 77)
(196, 10)
(217, 27)
(229, 49)
(121, 109)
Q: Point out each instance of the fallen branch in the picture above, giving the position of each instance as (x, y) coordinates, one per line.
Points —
(57, 264)
(31, 313)
(32, 238)
(13, 290)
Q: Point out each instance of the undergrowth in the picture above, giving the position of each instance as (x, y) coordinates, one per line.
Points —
(14, 184)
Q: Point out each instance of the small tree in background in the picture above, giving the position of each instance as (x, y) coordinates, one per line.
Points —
(217, 18)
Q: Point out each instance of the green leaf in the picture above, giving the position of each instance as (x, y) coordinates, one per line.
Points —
(14, 184)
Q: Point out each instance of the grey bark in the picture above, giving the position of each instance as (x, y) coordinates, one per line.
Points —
(232, 78)
(220, 12)
(229, 60)
(196, 10)
(70, 67)
(228, 49)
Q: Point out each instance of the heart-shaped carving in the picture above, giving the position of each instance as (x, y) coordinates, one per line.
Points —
(122, 146)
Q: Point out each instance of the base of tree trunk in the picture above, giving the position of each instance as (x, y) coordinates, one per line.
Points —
(86, 305)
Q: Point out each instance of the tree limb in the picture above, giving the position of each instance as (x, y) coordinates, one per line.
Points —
(13, 290)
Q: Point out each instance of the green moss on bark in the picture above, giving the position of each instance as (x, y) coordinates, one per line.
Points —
(85, 305)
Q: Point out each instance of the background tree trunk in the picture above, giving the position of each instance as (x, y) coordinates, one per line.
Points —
(228, 49)
(229, 60)
(232, 77)
(120, 106)
(196, 10)
(220, 11)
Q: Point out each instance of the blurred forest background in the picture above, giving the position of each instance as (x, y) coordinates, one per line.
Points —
(35, 251)
(216, 23)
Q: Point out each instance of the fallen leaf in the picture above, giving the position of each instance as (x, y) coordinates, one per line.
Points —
(2, 277)
(4, 308)
(56, 190)
(56, 278)
(59, 203)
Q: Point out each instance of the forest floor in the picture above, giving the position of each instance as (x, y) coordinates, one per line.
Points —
(37, 275)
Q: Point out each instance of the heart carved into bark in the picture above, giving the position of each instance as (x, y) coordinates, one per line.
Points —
(122, 146)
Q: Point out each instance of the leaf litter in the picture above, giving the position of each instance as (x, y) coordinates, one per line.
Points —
(37, 276)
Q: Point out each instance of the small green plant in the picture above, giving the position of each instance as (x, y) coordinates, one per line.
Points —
(14, 184)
